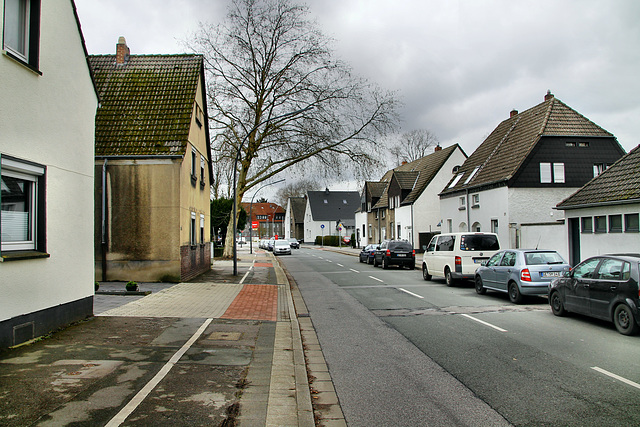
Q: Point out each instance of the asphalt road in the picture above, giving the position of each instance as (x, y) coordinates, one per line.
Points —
(404, 351)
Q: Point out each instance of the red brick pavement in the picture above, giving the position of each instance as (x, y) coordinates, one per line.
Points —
(254, 302)
(263, 264)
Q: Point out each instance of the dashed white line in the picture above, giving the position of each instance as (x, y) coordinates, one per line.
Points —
(328, 260)
(339, 265)
(617, 377)
(411, 293)
(375, 278)
(355, 271)
(485, 323)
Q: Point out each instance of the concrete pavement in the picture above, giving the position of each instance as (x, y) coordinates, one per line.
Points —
(218, 350)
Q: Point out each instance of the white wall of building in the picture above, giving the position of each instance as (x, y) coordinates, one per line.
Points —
(545, 236)
(49, 119)
(361, 224)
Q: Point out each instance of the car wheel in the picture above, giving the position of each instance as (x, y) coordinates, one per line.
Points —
(624, 320)
(448, 278)
(369, 261)
(375, 263)
(514, 293)
(425, 273)
(385, 263)
(557, 307)
(480, 290)
(360, 259)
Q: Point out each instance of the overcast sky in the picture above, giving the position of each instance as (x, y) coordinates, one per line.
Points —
(458, 66)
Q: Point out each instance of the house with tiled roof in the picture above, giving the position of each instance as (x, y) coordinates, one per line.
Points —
(404, 204)
(47, 114)
(326, 210)
(294, 217)
(266, 220)
(152, 167)
(530, 162)
(602, 216)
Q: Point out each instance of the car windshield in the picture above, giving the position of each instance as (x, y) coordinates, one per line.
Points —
(479, 242)
(292, 239)
(541, 258)
(282, 243)
(400, 246)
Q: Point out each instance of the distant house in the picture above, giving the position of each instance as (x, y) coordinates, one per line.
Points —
(152, 167)
(326, 210)
(602, 216)
(294, 217)
(47, 114)
(268, 218)
(529, 163)
(405, 203)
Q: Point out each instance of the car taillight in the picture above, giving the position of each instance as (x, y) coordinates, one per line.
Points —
(388, 252)
(525, 275)
(459, 261)
(413, 252)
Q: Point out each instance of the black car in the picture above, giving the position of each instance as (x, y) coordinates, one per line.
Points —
(605, 287)
(395, 252)
(293, 242)
(366, 255)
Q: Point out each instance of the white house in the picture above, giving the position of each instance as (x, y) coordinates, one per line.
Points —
(47, 111)
(512, 182)
(602, 216)
(327, 210)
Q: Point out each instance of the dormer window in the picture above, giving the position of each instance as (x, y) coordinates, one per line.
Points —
(472, 174)
(455, 180)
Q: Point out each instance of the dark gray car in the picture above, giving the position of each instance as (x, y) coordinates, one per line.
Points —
(395, 252)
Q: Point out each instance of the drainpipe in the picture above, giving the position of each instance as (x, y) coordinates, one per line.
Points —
(103, 243)
(468, 211)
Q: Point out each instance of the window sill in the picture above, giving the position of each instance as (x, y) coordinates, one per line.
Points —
(475, 207)
(462, 208)
(194, 180)
(22, 255)
(22, 62)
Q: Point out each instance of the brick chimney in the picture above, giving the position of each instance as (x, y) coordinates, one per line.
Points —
(513, 112)
(438, 148)
(122, 51)
(548, 96)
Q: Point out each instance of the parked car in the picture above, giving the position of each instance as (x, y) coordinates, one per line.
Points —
(270, 243)
(520, 272)
(367, 253)
(455, 256)
(604, 287)
(293, 242)
(281, 247)
(395, 252)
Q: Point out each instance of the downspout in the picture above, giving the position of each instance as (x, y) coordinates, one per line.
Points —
(468, 211)
(413, 239)
(103, 243)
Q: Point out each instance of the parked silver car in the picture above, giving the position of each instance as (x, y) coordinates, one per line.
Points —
(520, 272)
(281, 247)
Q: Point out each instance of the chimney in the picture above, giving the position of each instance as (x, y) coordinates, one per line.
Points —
(438, 148)
(548, 96)
(513, 112)
(122, 51)
(404, 162)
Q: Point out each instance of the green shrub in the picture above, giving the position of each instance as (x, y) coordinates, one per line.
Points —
(131, 286)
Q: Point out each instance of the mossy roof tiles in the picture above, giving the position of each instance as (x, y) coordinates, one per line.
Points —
(620, 183)
(145, 104)
(505, 149)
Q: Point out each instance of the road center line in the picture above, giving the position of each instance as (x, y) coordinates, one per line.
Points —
(411, 293)
(485, 323)
(355, 271)
(121, 416)
(339, 265)
(375, 278)
(617, 377)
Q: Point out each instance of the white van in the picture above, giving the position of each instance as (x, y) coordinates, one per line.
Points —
(456, 256)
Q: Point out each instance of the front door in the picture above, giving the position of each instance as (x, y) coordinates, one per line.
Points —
(574, 241)
(612, 275)
(577, 291)
(504, 269)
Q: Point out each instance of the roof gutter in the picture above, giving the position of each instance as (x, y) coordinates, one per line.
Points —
(595, 205)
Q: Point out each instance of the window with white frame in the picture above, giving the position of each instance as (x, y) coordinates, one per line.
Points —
(475, 200)
(192, 230)
(194, 166)
(202, 229)
(462, 202)
(22, 205)
(22, 30)
(552, 172)
(202, 163)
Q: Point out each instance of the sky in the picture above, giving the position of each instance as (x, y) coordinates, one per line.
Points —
(458, 66)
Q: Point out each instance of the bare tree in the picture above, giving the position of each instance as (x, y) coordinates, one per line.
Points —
(296, 189)
(413, 145)
(266, 60)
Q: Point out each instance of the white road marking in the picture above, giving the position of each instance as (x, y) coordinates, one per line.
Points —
(328, 260)
(411, 293)
(617, 377)
(121, 416)
(339, 265)
(355, 271)
(375, 278)
(485, 323)
(247, 273)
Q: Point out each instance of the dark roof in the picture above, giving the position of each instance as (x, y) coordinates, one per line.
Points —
(298, 206)
(376, 188)
(334, 205)
(424, 170)
(620, 183)
(502, 153)
(146, 103)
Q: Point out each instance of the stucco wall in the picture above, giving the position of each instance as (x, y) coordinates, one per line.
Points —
(49, 119)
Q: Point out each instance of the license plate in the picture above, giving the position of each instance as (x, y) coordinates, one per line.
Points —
(479, 260)
(401, 255)
(551, 274)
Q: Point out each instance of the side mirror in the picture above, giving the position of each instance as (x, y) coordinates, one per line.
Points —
(424, 248)
(566, 273)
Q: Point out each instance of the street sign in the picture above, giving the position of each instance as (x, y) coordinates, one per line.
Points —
(255, 225)
(321, 225)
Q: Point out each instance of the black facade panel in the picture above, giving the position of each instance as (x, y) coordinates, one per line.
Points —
(578, 154)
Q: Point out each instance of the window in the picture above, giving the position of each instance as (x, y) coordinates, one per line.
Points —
(455, 180)
(552, 173)
(509, 259)
(449, 225)
(199, 116)
(476, 227)
(601, 224)
(22, 218)
(494, 260)
(399, 234)
(475, 201)
(587, 224)
(462, 201)
(598, 168)
(202, 229)
(192, 230)
(262, 216)
(382, 211)
(370, 231)
(586, 269)
(611, 269)
(446, 243)
(494, 225)
(202, 162)
(631, 223)
(570, 144)
(472, 175)
(22, 30)
(194, 177)
(615, 223)
(583, 144)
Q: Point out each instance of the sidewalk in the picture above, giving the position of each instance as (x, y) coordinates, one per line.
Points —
(218, 350)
